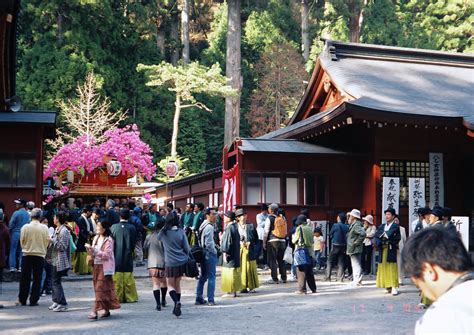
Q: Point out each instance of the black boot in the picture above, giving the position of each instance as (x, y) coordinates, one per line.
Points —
(156, 293)
(163, 296)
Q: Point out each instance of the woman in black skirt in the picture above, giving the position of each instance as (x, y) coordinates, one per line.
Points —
(176, 247)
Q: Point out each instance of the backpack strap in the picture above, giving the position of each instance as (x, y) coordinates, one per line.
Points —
(200, 232)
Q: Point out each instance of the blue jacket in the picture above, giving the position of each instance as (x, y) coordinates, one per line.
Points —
(338, 233)
(19, 219)
(137, 223)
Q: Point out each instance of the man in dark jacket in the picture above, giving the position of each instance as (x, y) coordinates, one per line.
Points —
(110, 213)
(338, 237)
(86, 231)
(4, 245)
(387, 239)
(125, 237)
(137, 223)
(231, 281)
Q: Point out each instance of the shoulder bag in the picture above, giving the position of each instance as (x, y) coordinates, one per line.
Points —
(192, 270)
(302, 256)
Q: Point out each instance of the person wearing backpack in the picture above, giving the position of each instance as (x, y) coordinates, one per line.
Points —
(303, 239)
(274, 241)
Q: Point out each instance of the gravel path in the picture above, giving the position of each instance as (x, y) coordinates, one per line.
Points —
(274, 309)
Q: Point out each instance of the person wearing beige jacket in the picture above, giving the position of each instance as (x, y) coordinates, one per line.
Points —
(34, 239)
(370, 230)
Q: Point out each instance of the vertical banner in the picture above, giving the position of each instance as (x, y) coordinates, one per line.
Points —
(230, 185)
(416, 198)
(390, 194)
(462, 226)
(436, 179)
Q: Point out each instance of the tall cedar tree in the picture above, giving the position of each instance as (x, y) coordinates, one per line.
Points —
(281, 71)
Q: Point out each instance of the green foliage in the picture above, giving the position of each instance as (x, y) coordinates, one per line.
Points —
(186, 80)
(217, 38)
(437, 24)
(192, 143)
(260, 31)
(59, 41)
(381, 23)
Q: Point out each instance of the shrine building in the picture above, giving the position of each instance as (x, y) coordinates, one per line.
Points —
(368, 112)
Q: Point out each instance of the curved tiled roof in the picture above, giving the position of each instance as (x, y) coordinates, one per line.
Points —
(402, 80)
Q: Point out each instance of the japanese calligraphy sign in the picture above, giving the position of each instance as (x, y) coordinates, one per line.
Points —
(230, 187)
(436, 179)
(462, 226)
(416, 198)
(390, 194)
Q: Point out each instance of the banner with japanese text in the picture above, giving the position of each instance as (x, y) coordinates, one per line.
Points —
(230, 187)
(416, 198)
(436, 179)
(462, 226)
(390, 194)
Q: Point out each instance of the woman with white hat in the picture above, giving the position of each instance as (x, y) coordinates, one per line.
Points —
(368, 247)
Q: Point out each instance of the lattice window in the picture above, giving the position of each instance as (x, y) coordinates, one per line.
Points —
(405, 170)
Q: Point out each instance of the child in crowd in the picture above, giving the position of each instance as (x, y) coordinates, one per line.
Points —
(318, 246)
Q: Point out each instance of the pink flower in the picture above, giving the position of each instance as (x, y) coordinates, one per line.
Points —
(122, 144)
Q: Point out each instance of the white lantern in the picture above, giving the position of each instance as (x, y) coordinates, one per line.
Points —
(114, 168)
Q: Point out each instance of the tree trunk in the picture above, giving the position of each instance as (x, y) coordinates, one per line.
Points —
(278, 95)
(232, 71)
(305, 42)
(174, 35)
(355, 20)
(160, 38)
(185, 30)
(60, 21)
(174, 136)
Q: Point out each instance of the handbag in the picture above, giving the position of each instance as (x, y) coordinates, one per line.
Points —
(302, 256)
(192, 270)
(90, 260)
(288, 256)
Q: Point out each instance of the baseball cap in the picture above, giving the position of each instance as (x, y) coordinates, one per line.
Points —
(20, 201)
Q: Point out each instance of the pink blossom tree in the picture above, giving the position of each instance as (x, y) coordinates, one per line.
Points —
(84, 155)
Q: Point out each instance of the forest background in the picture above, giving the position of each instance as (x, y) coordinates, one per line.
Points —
(60, 41)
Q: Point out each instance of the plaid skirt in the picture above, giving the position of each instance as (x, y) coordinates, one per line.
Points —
(175, 271)
(156, 272)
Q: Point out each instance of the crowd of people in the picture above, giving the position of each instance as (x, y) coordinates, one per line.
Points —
(108, 238)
